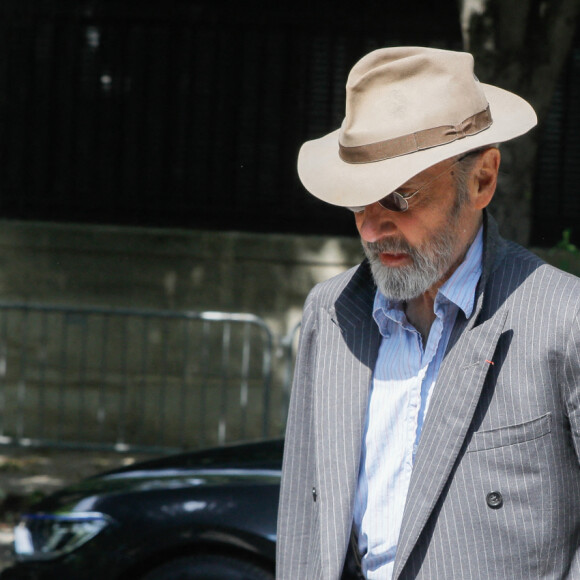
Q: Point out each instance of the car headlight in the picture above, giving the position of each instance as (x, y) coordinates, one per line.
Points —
(48, 536)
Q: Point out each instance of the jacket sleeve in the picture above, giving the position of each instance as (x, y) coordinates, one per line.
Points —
(297, 509)
(571, 394)
(572, 382)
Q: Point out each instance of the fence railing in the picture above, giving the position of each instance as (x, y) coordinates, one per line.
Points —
(138, 380)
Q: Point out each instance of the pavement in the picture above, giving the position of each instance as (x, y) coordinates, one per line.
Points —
(28, 474)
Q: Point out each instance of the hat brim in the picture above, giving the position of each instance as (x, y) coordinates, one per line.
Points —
(325, 175)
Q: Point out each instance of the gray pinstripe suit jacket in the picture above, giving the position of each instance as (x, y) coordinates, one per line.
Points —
(512, 427)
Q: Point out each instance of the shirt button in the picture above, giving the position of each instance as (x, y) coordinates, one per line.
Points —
(494, 499)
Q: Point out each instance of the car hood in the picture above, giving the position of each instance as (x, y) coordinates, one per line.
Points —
(238, 465)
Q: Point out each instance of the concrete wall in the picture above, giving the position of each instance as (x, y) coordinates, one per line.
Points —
(267, 275)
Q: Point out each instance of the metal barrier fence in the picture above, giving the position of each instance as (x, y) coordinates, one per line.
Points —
(136, 380)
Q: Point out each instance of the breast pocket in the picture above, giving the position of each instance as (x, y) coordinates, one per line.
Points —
(510, 435)
(502, 484)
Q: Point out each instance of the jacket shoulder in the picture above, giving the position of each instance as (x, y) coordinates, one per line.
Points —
(356, 282)
(521, 273)
(518, 258)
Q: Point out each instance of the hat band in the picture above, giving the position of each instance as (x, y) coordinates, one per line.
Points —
(416, 141)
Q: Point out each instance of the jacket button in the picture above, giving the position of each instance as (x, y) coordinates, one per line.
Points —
(494, 499)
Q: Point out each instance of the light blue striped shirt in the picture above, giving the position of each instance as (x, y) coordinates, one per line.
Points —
(403, 380)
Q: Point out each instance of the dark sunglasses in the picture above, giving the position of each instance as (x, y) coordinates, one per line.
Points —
(397, 201)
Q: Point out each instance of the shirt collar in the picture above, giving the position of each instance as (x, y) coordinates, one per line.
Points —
(459, 289)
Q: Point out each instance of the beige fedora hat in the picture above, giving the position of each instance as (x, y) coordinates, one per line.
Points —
(407, 108)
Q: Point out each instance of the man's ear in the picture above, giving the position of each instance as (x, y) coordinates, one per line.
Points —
(485, 174)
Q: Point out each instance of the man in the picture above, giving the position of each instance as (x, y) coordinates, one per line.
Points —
(434, 423)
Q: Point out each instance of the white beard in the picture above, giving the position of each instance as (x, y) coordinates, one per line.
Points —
(430, 262)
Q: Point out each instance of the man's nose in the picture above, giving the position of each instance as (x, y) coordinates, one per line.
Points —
(375, 223)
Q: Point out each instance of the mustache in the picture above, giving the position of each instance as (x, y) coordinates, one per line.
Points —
(389, 246)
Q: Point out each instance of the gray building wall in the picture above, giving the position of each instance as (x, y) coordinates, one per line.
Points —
(264, 274)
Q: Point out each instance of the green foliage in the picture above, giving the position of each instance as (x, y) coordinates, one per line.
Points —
(566, 244)
(565, 255)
